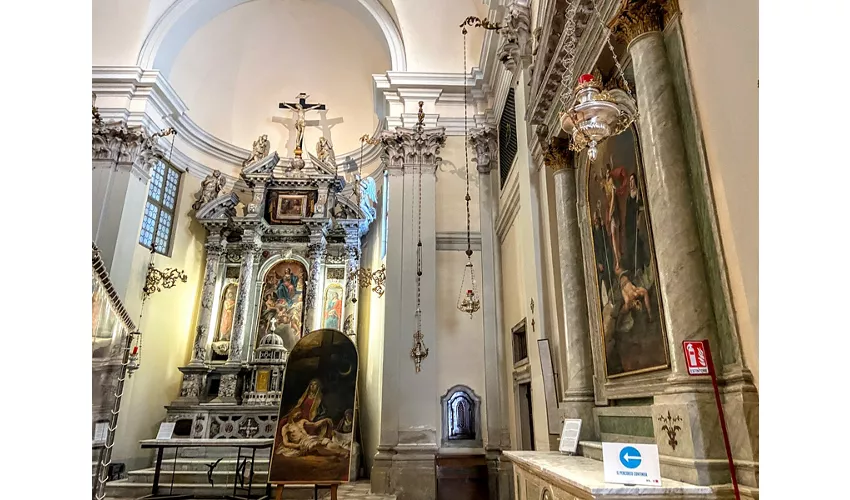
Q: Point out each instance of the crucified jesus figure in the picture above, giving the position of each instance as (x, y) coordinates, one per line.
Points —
(300, 107)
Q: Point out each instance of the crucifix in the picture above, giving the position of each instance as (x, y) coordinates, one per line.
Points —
(300, 108)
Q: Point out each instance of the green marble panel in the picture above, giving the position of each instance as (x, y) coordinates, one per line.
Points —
(632, 402)
(629, 426)
(702, 194)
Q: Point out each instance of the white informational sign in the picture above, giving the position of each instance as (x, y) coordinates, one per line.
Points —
(166, 429)
(100, 431)
(626, 463)
(569, 435)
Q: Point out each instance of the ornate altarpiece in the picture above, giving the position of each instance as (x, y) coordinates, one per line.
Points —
(272, 274)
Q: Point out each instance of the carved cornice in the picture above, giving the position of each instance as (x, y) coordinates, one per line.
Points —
(557, 155)
(637, 17)
(483, 142)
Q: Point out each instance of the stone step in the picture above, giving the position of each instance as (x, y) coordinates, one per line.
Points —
(124, 490)
(590, 449)
(191, 477)
(200, 464)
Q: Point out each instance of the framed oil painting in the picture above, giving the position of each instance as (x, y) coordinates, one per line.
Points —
(225, 313)
(629, 298)
(332, 310)
(282, 302)
(288, 207)
(312, 443)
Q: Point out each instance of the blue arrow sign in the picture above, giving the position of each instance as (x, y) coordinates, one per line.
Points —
(630, 457)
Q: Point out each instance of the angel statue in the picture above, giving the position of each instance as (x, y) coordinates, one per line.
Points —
(259, 151)
(210, 188)
(325, 152)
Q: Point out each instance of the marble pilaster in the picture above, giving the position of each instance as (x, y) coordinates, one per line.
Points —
(578, 377)
(483, 142)
(251, 245)
(316, 253)
(352, 293)
(214, 248)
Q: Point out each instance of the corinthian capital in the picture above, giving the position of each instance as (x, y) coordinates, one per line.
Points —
(483, 142)
(557, 155)
(409, 145)
(637, 17)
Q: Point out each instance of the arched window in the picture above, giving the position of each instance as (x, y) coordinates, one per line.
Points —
(461, 425)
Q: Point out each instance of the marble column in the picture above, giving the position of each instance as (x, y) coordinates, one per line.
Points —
(352, 292)
(230, 371)
(316, 252)
(578, 380)
(214, 249)
(696, 455)
(483, 142)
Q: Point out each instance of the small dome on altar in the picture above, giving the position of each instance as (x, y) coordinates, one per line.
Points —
(271, 341)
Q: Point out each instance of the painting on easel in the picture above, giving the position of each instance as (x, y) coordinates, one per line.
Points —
(316, 420)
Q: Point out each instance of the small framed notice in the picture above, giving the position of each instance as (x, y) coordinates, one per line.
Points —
(166, 429)
(569, 435)
(100, 431)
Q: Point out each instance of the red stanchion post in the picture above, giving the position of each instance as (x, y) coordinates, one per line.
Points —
(711, 371)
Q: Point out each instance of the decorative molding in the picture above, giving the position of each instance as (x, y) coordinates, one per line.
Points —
(508, 206)
(183, 17)
(455, 241)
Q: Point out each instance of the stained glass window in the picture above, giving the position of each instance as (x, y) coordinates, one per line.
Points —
(159, 209)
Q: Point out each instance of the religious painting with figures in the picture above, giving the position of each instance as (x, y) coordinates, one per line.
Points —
(282, 302)
(629, 299)
(332, 313)
(316, 423)
(288, 207)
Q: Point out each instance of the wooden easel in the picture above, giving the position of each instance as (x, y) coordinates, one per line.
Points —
(332, 486)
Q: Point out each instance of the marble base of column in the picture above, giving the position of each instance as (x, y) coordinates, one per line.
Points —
(498, 476)
(227, 386)
(194, 378)
(380, 474)
(414, 474)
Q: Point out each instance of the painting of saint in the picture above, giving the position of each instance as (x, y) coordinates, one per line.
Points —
(287, 207)
(316, 419)
(331, 317)
(629, 300)
(281, 305)
(225, 315)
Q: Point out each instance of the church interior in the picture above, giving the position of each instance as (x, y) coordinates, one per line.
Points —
(420, 250)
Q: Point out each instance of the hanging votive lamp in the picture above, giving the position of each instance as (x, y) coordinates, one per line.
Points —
(594, 114)
(468, 300)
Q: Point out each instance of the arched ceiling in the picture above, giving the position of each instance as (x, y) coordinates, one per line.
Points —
(233, 69)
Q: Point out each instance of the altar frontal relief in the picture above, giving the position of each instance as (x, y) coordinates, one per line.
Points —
(629, 302)
(316, 422)
(282, 300)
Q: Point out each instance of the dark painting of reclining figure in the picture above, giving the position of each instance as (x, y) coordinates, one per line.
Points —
(316, 422)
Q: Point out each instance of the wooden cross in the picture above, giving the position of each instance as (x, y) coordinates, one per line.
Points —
(301, 107)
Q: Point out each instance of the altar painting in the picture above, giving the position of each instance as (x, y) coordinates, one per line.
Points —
(316, 420)
(332, 310)
(282, 302)
(629, 299)
(225, 314)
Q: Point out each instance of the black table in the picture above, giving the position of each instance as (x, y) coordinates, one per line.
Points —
(161, 444)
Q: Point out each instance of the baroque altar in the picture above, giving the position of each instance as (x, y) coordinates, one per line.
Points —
(279, 265)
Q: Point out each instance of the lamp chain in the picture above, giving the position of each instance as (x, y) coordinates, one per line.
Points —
(466, 148)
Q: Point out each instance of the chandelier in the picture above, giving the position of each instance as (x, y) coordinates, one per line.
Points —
(468, 300)
(590, 113)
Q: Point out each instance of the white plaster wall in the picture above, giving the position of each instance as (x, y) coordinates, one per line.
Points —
(167, 329)
(721, 40)
(451, 189)
(370, 342)
(460, 339)
(234, 71)
(118, 30)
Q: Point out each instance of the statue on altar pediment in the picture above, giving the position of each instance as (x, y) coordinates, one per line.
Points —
(325, 152)
(259, 151)
(211, 186)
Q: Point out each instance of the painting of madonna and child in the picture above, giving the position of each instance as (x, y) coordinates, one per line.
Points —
(629, 300)
(316, 421)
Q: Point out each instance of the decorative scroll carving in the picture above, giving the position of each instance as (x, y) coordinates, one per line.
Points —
(637, 17)
(516, 42)
(483, 142)
(557, 155)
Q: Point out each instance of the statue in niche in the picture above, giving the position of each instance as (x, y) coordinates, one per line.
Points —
(259, 151)
(325, 152)
(210, 188)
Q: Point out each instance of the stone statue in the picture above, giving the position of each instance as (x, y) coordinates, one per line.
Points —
(259, 151)
(325, 152)
(210, 188)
